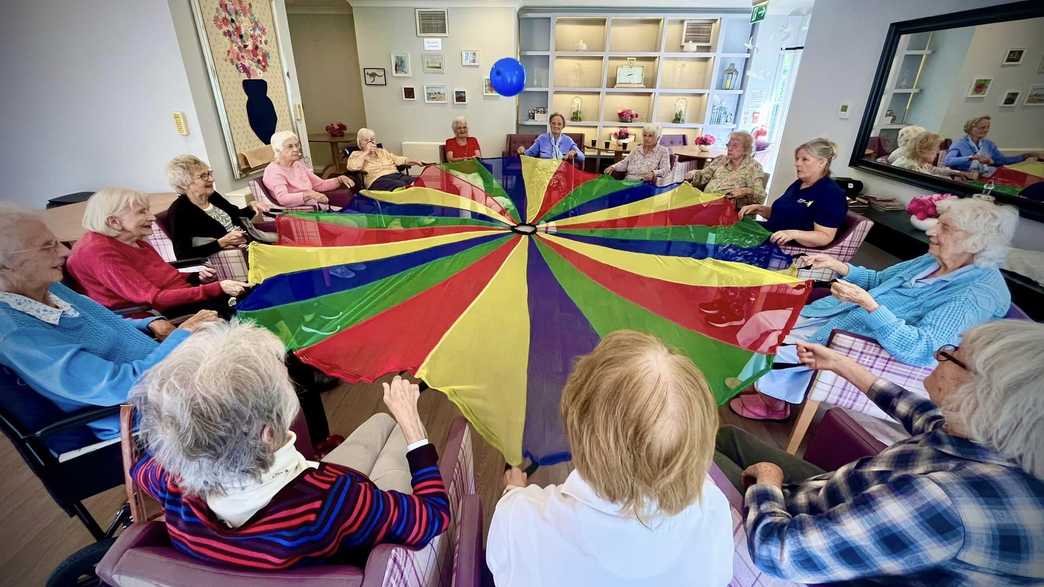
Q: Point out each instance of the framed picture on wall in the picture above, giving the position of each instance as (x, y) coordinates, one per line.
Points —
(436, 94)
(1010, 98)
(469, 58)
(400, 61)
(433, 62)
(487, 87)
(1013, 56)
(980, 87)
(374, 76)
(1035, 96)
(409, 93)
(460, 96)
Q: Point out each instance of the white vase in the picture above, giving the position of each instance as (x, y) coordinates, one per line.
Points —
(923, 224)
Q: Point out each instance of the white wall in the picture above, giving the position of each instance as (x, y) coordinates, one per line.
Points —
(939, 83)
(838, 65)
(381, 30)
(89, 92)
(327, 72)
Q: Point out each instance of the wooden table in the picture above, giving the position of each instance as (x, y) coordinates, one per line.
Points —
(66, 221)
(335, 167)
(693, 153)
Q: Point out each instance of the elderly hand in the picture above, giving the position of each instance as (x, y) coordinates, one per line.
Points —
(823, 261)
(817, 356)
(346, 181)
(751, 209)
(233, 239)
(608, 170)
(161, 328)
(233, 288)
(850, 292)
(199, 320)
(521, 151)
(316, 197)
(514, 477)
(206, 274)
(259, 207)
(570, 155)
(782, 237)
(649, 176)
(738, 193)
(982, 158)
(401, 398)
(763, 473)
(691, 174)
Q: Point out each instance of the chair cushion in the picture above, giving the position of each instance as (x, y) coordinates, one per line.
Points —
(838, 440)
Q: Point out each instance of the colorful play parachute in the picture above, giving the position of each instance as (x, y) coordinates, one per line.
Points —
(487, 278)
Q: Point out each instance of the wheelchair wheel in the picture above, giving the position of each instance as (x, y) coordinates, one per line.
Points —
(78, 569)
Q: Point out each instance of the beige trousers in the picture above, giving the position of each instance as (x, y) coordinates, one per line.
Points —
(376, 449)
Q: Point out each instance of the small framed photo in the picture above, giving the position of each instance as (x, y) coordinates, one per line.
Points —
(460, 96)
(469, 58)
(374, 76)
(409, 93)
(1013, 56)
(487, 87)
(1010, 98)
(980, 87)
(436, 94)
(433, 62)
(401, 64)
(1035, 96)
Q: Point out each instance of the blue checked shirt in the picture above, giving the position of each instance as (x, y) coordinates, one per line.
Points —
(934, 509)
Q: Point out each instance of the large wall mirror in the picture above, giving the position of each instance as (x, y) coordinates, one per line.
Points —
(957, 105)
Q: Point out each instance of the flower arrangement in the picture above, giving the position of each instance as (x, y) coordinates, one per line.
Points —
(924, 207)
(247, 37)
(627, 115)
(336, 129)
(621, 135)
(705, 140)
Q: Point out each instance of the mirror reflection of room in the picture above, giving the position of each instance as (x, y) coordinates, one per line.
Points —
(964, 104)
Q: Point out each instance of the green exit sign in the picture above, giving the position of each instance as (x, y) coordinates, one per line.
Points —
(758, 13)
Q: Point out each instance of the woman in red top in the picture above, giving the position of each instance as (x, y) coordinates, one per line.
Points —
(461, 146)
(117, 269)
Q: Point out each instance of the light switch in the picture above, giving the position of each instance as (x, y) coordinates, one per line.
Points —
(180, 126)
(842, 110)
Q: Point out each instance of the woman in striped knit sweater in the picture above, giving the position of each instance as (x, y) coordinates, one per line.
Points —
(215, 419)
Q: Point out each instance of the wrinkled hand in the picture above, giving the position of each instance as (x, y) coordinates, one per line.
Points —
(690, 175)
(206, 274)
(199, 320)
(751, 209)
(608, 170)
(763, 473)
(823, 261)
(259, 207)
(515, 477)
(401, 398)
(233, 239)
(982, 158)
(570, 155)
(346, 181)
(233, 288)
(850, 292)
(317, 197)
(782, 237)
(649, 176)
(521, 151)
(161, 328)
(817, 356)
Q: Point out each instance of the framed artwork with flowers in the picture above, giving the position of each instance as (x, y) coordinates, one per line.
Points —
(241, 48)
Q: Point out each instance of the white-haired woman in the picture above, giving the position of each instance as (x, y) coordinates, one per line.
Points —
(919, 154)
(902, 139)
(291, 182)
(461, 145)
(813, 207)
(221, 458)
(735, 174)
(201, 222)
(117, 269)
(974, 152)
(958, 503)
(649, 162)
(379, 166)
(67, 348)
(911, 308)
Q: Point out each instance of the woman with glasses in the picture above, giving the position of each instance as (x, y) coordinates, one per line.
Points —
(379, 166)
(957, 503)
(911, 308)
(201, 222)
(291, 181)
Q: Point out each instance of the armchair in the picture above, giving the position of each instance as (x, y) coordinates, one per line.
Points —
(228, 263)
(849, 238)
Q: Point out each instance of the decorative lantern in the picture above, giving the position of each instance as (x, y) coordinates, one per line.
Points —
(730, 74)
(576, 112)
(681, 106)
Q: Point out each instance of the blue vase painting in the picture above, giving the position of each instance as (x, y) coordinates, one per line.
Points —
(261, 113)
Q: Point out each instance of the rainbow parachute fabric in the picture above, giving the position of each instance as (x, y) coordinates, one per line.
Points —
(487, 278)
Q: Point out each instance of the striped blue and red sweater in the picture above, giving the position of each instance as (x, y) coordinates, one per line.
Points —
(329, 511)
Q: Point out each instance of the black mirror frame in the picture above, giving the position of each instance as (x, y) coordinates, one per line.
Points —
(987, 15)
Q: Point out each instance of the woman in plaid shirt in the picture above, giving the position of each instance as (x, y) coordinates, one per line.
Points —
(961, 502)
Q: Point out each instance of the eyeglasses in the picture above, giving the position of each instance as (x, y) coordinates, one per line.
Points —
(206, 174)
(946, 353)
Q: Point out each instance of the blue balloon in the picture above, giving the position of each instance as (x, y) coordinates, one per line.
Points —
(508, 76)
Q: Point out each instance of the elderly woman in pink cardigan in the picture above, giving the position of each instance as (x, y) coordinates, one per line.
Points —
(291, 182)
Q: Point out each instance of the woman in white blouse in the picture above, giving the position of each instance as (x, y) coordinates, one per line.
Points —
(639, 509)
(649, 162)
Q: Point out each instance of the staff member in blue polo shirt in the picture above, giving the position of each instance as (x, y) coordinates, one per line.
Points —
(813, 207)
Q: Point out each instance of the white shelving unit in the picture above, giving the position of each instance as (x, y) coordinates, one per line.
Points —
(570, 55)
(902, 87)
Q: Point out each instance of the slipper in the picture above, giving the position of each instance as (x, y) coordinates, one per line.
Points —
(753, 408)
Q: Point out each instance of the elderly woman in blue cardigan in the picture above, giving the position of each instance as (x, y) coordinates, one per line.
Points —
(911, 308)
(554, 144)
(974, 152)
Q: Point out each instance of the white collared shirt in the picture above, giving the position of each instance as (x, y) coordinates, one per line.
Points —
(568, 535)
(51, 312)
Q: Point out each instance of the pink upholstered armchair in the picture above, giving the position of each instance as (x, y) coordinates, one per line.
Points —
(849, 238)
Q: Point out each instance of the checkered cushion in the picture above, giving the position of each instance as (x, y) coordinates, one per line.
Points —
(228, 264)
(844, 247)
(829, 388)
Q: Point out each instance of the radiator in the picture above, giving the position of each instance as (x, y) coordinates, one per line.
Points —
(427, 151)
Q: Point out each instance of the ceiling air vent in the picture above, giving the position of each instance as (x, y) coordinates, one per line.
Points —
(431, 23)
(697, 31)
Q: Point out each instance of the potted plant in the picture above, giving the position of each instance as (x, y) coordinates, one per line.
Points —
(627, 115)
(622, 136)
(336, 129)
(923, 211)
(704, 142)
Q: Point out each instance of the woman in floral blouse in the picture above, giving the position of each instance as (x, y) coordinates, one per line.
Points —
(650, 162)
(735, 174)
